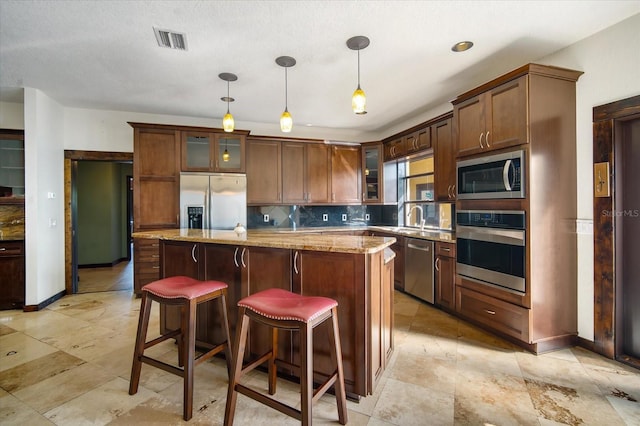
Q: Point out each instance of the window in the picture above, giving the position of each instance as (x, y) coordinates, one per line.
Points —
(417, 201)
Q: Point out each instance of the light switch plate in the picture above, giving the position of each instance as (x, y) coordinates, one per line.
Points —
(265, 218)
(344, 217)
(601, 179)
(325, 217)
(366, 216)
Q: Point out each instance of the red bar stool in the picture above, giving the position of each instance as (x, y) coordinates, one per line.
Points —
(187, 293)
(281, 309)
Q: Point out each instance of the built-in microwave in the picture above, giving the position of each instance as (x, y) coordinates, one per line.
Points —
(491, 176)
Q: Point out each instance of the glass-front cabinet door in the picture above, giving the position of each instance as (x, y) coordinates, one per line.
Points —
(372, 172)
(229, 153)
(212, 152)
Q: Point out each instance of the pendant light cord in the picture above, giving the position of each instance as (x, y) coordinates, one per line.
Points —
(228, 98)
(358, 68)
(286, 90)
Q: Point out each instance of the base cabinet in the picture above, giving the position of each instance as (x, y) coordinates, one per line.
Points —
(445, 275)
(146, 263)
(504, 317)
(11, 274)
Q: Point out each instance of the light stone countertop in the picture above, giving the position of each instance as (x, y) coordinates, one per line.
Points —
(268, 238)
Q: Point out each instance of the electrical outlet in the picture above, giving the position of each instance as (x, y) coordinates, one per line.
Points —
(265, 218)
(344, 217)
(366, 216)
(325, 217)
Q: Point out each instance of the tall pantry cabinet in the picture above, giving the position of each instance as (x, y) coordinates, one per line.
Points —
(532, 109)
(156, 193)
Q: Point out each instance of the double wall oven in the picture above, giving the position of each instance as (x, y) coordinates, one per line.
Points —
(491, 244)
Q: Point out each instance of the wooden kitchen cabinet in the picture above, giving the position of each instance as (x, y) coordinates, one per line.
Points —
(146, 254)
(394, 148)
(372, 173)
(444, 160)
(12, 272)
(533, 108)
(156, 193)
(493, 119)
(445, 275)
(305, 173)
(419, 140)
(398, 262)
(345, 174)
(156, 177)
(264, 171)
(204, 152)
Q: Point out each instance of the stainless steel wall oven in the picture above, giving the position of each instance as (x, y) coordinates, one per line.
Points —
(491, 248)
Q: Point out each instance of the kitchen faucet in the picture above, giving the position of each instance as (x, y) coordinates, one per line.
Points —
(421, 216)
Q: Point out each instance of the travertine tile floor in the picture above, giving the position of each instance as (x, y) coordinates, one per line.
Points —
(69, 364)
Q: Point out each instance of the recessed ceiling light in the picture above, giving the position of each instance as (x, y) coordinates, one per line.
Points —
(462, 46)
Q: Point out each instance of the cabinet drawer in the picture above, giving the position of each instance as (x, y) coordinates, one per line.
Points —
(143, 244)
(446, 249)
(501, 316)
(11, 248)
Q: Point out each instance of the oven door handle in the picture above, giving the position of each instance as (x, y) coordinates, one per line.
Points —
(513, 237)
(505, 174)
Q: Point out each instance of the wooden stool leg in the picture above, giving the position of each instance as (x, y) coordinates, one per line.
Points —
(272, 369)
(141, 336)
(336, 354)
(239, 346)
(227, 335)
(306, 372)
(189, 344)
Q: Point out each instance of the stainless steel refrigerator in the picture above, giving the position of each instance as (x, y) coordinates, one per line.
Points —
(213, 200)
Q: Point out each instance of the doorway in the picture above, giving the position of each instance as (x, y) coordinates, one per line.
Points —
(617, 232)
(104, 256)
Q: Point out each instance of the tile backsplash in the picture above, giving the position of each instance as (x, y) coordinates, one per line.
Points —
(294, 216)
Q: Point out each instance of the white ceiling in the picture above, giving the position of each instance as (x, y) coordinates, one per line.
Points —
(104, 55)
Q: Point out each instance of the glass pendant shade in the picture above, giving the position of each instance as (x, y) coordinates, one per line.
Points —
(359, 101)
(286, 122)
(225, 155)
(227, 123)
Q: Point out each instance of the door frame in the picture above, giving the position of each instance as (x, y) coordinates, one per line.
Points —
(71, 157)
(607, 140)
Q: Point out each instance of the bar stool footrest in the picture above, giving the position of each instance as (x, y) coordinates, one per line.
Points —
(270, 402)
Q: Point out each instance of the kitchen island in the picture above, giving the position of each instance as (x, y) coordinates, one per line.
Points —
(357, 271)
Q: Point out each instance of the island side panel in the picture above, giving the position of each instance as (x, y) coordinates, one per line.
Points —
(343, 277)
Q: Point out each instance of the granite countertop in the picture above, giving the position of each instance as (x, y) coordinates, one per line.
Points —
(268, 238)
(427, 234)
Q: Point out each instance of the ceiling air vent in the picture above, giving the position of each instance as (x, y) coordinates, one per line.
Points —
(171, 39)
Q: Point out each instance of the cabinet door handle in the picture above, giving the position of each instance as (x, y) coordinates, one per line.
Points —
(155, 267)
(235, 257)
(193, 253)
(449, 191)
(480, 140)
(453, 191)
(295, 263)
(486, 139)
(3, 249)
(490, 312)
(438, 264)
(244, 265)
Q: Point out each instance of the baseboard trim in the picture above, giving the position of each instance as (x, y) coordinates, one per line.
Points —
(586, 344)
(104, 265)
(44, 304)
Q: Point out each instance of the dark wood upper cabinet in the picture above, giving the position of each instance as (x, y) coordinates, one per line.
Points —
(264, 171)
(305, 172)
(345, 174)
(444, 160)
(213, 152)
(372, 173)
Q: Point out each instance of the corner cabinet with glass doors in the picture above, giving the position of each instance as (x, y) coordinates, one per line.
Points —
(379, 179)
(204, 151)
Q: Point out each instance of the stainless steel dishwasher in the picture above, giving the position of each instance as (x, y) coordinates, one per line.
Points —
(418, 269)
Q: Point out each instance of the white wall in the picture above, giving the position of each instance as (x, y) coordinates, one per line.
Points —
(610, 60)
(98, 130)
(44, 196)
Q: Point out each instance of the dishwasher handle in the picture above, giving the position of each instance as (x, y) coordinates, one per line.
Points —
(418, 247)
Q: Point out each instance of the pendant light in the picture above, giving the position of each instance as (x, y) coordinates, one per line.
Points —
(225, 154)
(228, 123)
(358, 100)
(286, 121)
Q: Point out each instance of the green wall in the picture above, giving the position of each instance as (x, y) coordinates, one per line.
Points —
(102, 212)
